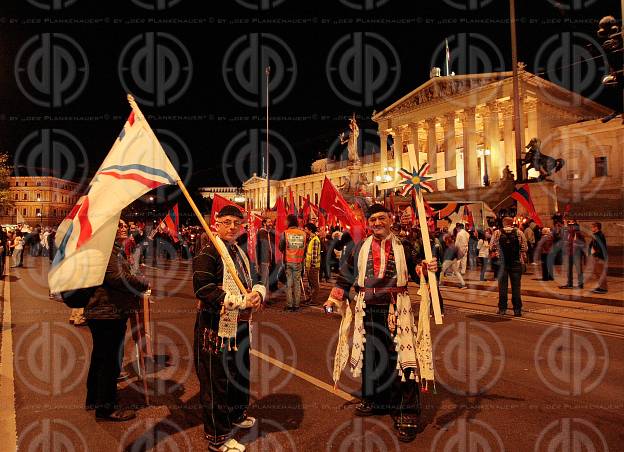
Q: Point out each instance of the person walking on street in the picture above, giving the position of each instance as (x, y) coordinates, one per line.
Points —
(313, 261)
(483, 247)
(18, 250)
(511, 247)
(461, 242)
(292, 245)
(529, 235)
(599, 256)
(547, 258)
(222, 342)
(575, 252)
(452, 257)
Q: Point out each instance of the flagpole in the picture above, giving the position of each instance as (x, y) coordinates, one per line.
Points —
(222, 252)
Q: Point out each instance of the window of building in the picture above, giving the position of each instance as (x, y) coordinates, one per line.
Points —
(16, 196)
(37, 212)
(38, 196)
(25, 184)
(601, 166)
(24, 211)
(38, 184)
(16, 184)
(54, 212)
(25, 196)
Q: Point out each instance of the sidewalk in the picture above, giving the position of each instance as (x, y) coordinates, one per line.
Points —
(533, 286)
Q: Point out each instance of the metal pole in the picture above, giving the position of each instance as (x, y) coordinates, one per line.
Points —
(516, 92)
(267, 72)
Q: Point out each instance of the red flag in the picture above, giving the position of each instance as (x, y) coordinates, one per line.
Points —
(172, 223)
(468, 218)
(218, 203)
(333, 203)
(255, 223)
(322, 221)
(523, 196)
(280, 227)
(306, 210)
(291, 201)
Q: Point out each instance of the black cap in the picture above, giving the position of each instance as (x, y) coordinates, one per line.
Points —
(375, 208)
(230, 211)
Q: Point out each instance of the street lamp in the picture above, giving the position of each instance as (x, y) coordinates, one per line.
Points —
(40, 213)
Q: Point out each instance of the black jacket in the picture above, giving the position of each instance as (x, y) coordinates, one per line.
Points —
(118, 296)
(598, 246)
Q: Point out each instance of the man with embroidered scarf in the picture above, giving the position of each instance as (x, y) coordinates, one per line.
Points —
(222, 333)
(392, 356)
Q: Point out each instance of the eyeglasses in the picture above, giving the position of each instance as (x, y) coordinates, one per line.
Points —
(229, 223)
(123, 226)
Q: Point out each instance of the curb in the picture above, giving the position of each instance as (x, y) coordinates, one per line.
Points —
(540, 294)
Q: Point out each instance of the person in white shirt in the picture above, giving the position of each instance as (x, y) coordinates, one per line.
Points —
(483, 246)
(461, 242)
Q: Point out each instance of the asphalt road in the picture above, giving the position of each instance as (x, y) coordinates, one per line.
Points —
(551, 380)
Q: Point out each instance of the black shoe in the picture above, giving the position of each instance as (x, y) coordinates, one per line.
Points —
(567, 286)
(580, 286)
(365, 408)
(295, 309)
(122, 415)
(406, 434)
(501, 311)
(517, 313)
(598, 291)
(288, 308)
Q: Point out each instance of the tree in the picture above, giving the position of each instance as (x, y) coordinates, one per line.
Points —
(5, 181)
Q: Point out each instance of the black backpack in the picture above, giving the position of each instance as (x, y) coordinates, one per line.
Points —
(78, 298)
(509, 248)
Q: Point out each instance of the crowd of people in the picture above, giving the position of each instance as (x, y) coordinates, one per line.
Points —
(377, 267)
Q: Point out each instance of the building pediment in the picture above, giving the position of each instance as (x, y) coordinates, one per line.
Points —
(440, 89)
(254, 180)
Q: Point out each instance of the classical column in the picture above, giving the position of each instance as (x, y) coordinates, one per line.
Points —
(383, 150)
(432, 145)
(471, 173)
(510, 145)
(492, 141)
(450, 155)
(398, 149)
(413, 128)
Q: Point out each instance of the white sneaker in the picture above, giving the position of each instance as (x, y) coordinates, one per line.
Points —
(231, 445)
(248, 422)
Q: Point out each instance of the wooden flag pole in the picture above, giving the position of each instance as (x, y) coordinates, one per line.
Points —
(222, 251)
(433, 282)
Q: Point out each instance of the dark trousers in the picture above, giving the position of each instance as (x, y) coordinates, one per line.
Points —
(548, 271)
(108, 339)
(514, 275)
(484, 265)
(381, 384)
(223, 377)
(575, 261)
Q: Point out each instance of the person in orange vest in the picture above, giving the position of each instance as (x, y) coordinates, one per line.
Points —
(292, 245)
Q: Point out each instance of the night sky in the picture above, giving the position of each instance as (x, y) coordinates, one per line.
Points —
(197, 72)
